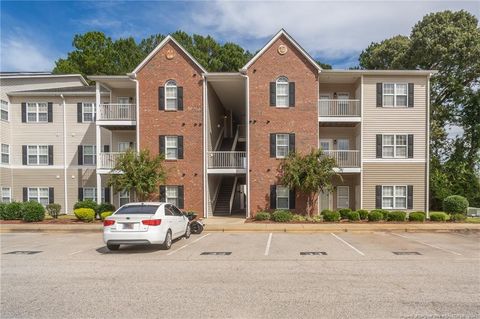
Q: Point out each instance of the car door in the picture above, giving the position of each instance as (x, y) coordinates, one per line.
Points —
(181, 220)
(170, 219)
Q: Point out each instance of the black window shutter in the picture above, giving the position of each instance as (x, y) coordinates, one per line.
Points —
(51, 195)
(273, 94)
(180, 146)
(50, 154)
(80, 155)
(80, 194)
(273, 196)
(106, 194)
(379, 94)
(378, 196)
(181, 197)
(79, 112)
(25, 194)
(411, 95)
(409, 196)
(180, 98)
(106, 148)
(162, 193)
(273, 146)
(161, 98)
(291, 142)
(24, 155)
(379, 145)
(291, 94)
(161, 144)
(291, 199)
(410, 145)
(24, 112)
(50, 111)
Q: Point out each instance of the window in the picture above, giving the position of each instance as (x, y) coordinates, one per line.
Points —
(282, 145)
(37, 154)
(125, 146)
(282, 92)
(6, 195)
(283, 197)
(171, 147)
(124, 197)
(394, 197)
(37, 112)
(171, 195)
(39, 194)
(90, 193)
(4, 110)
(88, 112)
(171, 95)
(5, 154)
(395, 94)
(394, 146)
(89, 154)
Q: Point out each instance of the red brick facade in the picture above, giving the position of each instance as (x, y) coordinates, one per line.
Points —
(188, 123)
(265, 119)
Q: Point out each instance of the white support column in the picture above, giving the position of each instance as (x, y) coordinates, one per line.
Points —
(98, 141)
(99, 188)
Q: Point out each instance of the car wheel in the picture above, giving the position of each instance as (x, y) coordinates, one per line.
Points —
(167, 243)
(188, 232)
(113, 247)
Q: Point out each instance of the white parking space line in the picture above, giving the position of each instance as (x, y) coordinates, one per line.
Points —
(186, 245)
(343, 241)
(76, 252)
(427, 244)
(269, 241)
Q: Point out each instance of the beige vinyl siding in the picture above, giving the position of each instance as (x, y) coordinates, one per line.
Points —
(336, 133)
(116, 93)
(384, 120)
(121, 136)
(394, 174)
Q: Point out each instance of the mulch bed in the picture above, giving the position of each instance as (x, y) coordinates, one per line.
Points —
(51, 221)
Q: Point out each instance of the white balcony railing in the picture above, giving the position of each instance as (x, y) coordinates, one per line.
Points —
(108, 160)
(345, 159)
(117, 112)
(221, 159)
(340, 108)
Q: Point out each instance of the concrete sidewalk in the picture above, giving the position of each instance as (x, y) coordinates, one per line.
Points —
(237, 226)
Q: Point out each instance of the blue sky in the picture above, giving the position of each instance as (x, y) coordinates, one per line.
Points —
(36, 33)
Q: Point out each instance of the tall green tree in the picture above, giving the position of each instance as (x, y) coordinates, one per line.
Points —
(309, 174)
(142, 174)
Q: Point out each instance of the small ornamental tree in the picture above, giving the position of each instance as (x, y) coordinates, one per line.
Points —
(141, 173)
(309, 174)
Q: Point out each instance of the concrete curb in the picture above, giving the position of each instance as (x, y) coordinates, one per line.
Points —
(254, 227)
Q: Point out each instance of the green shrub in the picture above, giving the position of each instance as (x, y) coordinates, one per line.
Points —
(363, 214)
(13, 210)
(455, 204)
(53, 210)
(375, 216)
(325, 211)
(317, 219)
(105, 215)
(353, 216)
(105, 207)
(438, 217)
(300, 218)
(331, 216)
(344, 212)
(86, 204)
(282, 216)
(85, 214)
(2, 209)
(384, 213)
(458, 218)
(262, 216)
(416, 217)
(33, 212)
(396, 216)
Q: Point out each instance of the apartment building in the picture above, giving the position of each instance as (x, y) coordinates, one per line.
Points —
(224, 134)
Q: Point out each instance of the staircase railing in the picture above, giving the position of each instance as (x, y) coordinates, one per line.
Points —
(235, 140)
(232, 196)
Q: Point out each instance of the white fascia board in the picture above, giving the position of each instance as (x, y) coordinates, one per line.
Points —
(55, 93)
(24, 76)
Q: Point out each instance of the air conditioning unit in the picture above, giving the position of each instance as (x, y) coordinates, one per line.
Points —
(473, 211)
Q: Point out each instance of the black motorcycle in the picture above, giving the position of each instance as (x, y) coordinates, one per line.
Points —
(196, 225)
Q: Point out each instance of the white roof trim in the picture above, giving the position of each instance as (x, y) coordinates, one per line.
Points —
(159, 46)
(66, 93)
(275, 38)
(82, 79)
(380, 72)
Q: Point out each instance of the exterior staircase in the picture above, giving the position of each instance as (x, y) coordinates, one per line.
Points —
(222, 204)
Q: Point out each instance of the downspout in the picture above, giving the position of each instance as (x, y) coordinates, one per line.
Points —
(137, 111)
(427, 173)
(205, 149)
(247, 128)
(65, 186)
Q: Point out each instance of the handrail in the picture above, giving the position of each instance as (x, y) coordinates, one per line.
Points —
(344, 158)
(117, 112)
(227, 159)
(232, 196)
(339, 108)
(108, 160)
(235, 140)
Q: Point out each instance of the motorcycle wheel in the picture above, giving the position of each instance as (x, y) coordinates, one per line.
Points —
(196, 228)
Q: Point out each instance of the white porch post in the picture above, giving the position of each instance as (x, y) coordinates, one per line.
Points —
(98, 141)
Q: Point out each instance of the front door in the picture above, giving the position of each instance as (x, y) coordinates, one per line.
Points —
(324, 105)
(326, 144)
(325, 201)
(343, 147)
(343, 197)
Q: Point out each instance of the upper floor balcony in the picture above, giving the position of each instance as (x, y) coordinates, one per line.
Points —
(106, 162)
(339, 110)
(222, 162)
(117, 114)
(347, 161)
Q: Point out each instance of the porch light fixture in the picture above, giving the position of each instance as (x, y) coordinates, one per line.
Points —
(334, 95)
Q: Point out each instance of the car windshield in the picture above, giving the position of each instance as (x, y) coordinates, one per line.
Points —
(137, 209)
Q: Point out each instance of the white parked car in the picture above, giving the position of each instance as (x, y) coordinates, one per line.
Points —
(145, 223)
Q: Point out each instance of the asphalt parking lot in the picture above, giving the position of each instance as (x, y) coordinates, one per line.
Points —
(243, 275)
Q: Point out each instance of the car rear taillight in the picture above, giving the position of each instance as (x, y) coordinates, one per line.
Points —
(152, 222)
(108, 222)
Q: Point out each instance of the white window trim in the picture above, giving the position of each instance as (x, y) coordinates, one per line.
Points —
(276, 145)
(2, 153)
(5, 110)
(94, 111)
(94, 155)
(394, 196)
(395, 146)
(167, 198)
(166, 148)
(9, 195)
(171, 83)
(123, 195)
(36, 112)
(277, 197)
(38, 155)
(394, 94)
(38, 193)
(282, 95)
(94, 189)
(348, 196)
